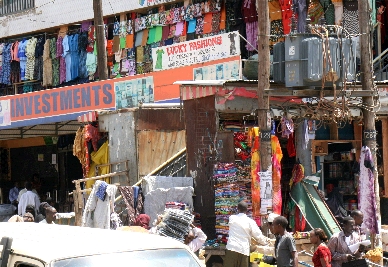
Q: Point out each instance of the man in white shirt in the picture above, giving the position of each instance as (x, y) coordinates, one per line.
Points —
(51, 216)
(195, 238)
(28, 198)
(21, 192)
(241, 230)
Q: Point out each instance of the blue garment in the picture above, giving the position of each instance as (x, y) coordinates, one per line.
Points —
(192, 25)
(101, 191)
(73, 44)
(135, 195)
(67, 56)
(6, 68)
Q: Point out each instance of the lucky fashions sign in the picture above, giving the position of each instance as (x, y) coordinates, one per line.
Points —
(196, 51)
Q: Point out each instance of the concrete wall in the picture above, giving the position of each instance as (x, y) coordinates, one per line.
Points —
(50, 14)
(122, 142)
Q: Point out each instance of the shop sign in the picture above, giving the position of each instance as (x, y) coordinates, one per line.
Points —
(131, 93)
(196, 51)
(57, 102)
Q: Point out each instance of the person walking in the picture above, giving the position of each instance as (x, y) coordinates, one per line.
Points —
(285, 248)
(195, 238)
(322, 254)
(339, 244)
(241, 230)
(28, 198)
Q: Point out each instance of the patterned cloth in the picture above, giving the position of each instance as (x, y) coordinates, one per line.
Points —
(128, 196)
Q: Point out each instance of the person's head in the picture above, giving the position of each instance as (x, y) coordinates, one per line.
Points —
(28, 217)
(189, 237)
(270, 219)
(51, 214)
(348, 225)
(31, 209)
(358, 217)
(16, 218)
(280, 224)
(28, 186)
(16, 184)
(143, 220)
(317, 236)
(242, 207)
(50, 201)
(42, 208)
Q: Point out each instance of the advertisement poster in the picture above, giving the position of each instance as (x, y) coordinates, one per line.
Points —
(265, 191)
(196, 51)
(222, 71)
(5, 113)
(132, 92)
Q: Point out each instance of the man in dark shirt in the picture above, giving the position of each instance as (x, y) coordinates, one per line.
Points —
(285, 249)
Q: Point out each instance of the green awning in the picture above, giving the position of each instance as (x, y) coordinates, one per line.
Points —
(313, 208)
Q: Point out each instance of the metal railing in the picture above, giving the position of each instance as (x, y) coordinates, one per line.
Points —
(14, 6)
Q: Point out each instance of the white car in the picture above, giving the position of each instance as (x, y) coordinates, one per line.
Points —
(36, 244)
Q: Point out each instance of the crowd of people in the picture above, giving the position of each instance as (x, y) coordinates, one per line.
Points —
(29, 207)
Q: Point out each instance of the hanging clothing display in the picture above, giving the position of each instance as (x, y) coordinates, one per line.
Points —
(255, 169)
(366, 192)
(30, 53)
(98, 209)
(277, 156)
(47, 65)
(134, 208)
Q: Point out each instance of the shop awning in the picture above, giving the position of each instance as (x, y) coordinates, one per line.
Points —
(313, 208)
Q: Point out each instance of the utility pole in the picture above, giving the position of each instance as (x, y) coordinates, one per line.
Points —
(263, 83)
(369, 135)
(102, 63)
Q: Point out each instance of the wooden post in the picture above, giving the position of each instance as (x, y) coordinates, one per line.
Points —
(78, 204)
(367, 84)
(385, 154)
(263, 83)
(102, 63)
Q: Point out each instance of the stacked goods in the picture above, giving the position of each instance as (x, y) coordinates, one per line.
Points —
(244, 181)
(175, 224)
(176, 205)
(226, 196)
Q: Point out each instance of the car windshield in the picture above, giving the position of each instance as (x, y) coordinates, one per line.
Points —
(144, 258)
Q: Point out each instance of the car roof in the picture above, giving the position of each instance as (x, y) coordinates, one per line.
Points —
(51, 242)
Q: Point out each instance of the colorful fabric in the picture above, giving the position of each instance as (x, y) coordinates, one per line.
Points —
(101, 191)
(277, 156)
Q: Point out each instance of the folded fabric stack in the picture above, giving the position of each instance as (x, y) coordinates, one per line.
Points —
(227, 195)
(244, 177)
(175, 224)
(176, 205)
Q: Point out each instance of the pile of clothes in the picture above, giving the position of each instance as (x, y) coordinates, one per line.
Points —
(175, 224)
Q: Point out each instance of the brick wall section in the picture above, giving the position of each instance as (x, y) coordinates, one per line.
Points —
(200, 120)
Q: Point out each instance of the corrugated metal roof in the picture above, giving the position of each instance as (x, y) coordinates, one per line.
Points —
(53, 129)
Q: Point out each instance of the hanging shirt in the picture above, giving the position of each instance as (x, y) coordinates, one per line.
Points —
(28, 198)
(67, 56)
(30, 53)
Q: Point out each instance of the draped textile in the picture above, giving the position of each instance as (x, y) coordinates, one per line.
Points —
(277, 156)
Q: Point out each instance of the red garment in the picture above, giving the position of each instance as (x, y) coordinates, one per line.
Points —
(90, 134)
(300, 221)
(322, 252)
(286, 15)
(248, 10)
(291, 146)
(143, 220)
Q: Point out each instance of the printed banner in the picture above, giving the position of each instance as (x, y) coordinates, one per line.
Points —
(196, 51)
(223, 71)
(132, 92)
(265, 191)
